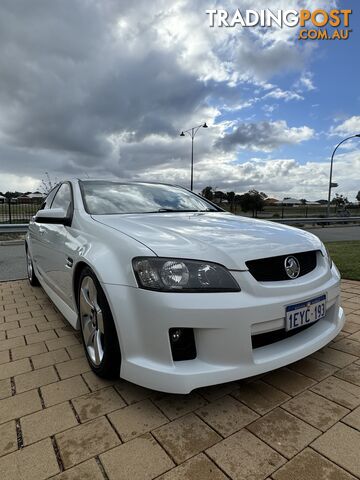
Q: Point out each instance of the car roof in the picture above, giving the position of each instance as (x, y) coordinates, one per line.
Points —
(126, 182)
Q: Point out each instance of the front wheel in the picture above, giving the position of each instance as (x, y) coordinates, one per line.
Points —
(97, 327)
(33, 280)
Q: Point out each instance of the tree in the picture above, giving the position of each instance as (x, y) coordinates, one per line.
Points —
(237, 199)
(47, 183)
(15, 194)
(208, 193)
(303, 201)
(252, 201)
(340, 201)
(231, 198)
(358, 196)
(220, 196)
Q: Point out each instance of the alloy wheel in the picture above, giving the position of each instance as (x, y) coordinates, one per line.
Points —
(29, 265)
(92, 321)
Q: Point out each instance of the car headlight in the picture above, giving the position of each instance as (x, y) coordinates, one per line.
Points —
(178, 275)
(328, 257)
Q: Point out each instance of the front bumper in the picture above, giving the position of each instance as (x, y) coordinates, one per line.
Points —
(223, 324)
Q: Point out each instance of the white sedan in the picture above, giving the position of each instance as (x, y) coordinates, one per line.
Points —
(173, 293)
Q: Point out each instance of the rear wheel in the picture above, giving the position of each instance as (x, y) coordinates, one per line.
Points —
(30, 270)
(97, 326)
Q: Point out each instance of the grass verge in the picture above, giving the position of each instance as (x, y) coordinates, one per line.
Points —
(346, 256)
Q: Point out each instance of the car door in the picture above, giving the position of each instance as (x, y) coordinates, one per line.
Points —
(53, 251)
(36, 231)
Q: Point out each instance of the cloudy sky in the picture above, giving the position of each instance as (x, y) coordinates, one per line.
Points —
(102, 88)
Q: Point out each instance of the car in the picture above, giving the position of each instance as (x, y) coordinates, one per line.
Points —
(173, 293)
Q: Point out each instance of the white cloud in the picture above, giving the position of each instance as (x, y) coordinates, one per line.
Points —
(21, 183)
(276, 177)
(103, 88)
(351, 126)
(286, 95)
(305, 82)
(264, 136)
(269, 109)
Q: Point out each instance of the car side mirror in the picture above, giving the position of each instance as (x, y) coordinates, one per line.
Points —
(56, 216)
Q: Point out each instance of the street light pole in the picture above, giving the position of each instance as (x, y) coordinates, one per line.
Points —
(192, 159)
(192, 132)
(331, 169)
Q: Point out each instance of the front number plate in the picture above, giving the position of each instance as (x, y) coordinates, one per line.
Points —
(305, 313)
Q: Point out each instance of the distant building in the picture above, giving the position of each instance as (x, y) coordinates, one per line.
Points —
(35, 197)
(294, 202)
(271, 201)
(2, 199)
(23, 199)
(290, 202)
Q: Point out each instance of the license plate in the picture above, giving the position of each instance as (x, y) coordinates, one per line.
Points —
(305, 313)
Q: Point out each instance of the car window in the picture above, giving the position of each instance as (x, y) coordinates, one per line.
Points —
(63, 198)
(103, 197)
(49, 198)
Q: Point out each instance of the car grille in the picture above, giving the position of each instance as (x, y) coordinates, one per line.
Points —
(268, 338)
(273, 269)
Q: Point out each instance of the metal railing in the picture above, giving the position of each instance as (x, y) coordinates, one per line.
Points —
(13, 228)
(18, 211)
(22, 228)
(289, 211)
(315, 221)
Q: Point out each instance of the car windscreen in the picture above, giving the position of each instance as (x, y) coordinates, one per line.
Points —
(104, 198)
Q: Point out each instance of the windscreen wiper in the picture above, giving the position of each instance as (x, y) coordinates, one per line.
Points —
(174, 210)
(185, 210)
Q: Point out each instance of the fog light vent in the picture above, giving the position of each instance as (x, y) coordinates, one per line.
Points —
(182, 342)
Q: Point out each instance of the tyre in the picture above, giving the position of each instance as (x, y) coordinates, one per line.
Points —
(30, 270)
(97, 327)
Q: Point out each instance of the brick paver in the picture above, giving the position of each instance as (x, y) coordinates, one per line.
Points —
(243, 456)
(309, 465)
(58, 420)
(137, 419)
(5, 388)
(97, 403)
(47, 422)
(315, 410)
(341, 445)
(89, 470)
(8, 438)
(85, 441)
(138, 459)
(185, 437)
(35, 462)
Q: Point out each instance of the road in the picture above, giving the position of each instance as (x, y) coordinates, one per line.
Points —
(12, 262)
(336, 234)
(13, 265)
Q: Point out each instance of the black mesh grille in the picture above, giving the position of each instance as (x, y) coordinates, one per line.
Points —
(263, 339)
(273, 269)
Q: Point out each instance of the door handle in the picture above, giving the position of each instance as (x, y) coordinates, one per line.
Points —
(41, 231)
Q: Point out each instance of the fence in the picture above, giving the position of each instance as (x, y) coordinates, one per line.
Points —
(18, 212)
(273, 212)
(22, 228)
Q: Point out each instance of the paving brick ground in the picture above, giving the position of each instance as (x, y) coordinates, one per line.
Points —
(58, 420)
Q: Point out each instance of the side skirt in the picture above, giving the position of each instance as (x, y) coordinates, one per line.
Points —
(69, 314)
